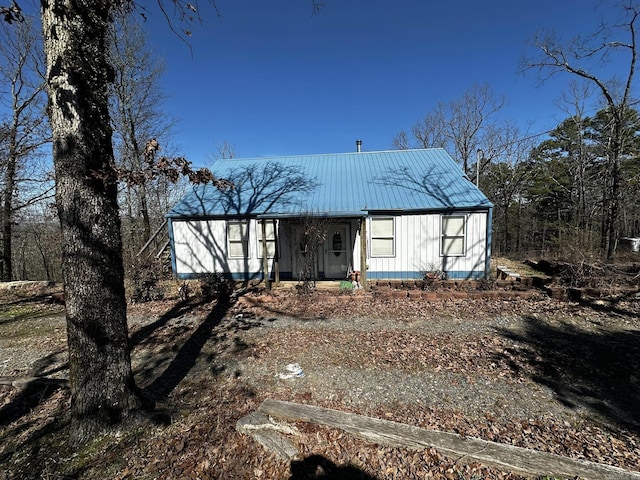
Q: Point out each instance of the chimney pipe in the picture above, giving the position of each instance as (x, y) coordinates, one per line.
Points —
(358, 146)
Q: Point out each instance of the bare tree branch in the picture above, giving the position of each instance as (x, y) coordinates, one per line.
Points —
(572, 58)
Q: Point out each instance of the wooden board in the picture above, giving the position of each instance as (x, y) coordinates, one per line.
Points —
(465, 449)
(268, 434)
(22, 381)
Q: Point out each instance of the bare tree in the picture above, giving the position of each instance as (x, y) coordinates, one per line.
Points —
(458, 126)
(76, 47)
(225, 150)
(26, 129)
(401, 141)
(427, 133)
(76, 33)
(308, 236)
(574, 104)
(467, 118)
(37, 245)
(503, 181)
(76, 39)
(584, 57)
(136, 114)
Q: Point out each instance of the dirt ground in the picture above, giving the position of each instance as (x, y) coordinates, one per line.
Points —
(555, 376)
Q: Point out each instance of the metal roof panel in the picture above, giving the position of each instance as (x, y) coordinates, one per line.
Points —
(402, 180)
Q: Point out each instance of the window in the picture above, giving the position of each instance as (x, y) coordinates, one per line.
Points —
(382, 237)
(271, 239)
(453, 235)
(237, 238)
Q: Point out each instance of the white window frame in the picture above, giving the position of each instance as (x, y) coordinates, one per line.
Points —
(271, 238)
(373, 238)
(447, 237)
(243, 242)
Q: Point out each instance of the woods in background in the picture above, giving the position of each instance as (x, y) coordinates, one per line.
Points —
(572, 190)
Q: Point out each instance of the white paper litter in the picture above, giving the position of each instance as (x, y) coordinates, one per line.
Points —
(293, 370)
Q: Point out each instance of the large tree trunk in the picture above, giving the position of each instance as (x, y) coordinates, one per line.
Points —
(9, 191)
(611, 201)
(7, 213)
(614, 201)
(102, 386)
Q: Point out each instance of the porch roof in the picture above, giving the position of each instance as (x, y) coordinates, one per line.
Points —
(345, 184)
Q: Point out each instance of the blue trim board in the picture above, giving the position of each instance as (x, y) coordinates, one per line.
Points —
(407, 275)
(487, 257)
(397, 275)
(172, 245)
(237, 276)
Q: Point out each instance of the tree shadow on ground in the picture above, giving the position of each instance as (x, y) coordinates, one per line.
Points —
(38, 390)
(26, 445)
(144, 333)
(34, 393)
(187, 354)
(317, 467)
(620, 305)
(37, 433)
(54, 297)
(597, 370)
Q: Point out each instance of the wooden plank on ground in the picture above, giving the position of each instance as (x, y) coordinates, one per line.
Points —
(22, 381)
(268, 434)
(507, 457)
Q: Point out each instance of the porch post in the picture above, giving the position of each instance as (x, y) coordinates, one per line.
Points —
(265, 255)
(276, 255)
(488, 240)
(363, 252)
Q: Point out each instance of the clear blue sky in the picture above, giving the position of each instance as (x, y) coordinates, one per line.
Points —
(272, 79)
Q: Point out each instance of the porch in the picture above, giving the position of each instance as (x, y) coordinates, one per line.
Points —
(324, 250)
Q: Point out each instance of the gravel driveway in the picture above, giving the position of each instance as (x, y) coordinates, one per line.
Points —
(554, 376)
(530, 373)
(367, 378)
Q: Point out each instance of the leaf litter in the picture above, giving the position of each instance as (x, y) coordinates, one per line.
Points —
(464, 366)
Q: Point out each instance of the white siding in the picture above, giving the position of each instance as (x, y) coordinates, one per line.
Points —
(418, 248)
(200, 246)
(195, 244)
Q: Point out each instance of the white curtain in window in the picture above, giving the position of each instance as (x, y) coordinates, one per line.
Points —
(382, 237)
(237, 235)
(453, 235)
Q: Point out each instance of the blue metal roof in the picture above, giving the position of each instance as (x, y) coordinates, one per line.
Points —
(343, 184)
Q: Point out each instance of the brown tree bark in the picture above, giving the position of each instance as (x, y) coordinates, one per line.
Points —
(7, 216)
(102, 385)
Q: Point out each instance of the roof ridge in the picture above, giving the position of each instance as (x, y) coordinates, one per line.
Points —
(274, 157)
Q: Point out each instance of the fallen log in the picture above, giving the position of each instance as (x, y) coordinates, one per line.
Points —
(466, 449)
(22, 381)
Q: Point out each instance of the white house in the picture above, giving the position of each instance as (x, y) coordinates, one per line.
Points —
(389, 215)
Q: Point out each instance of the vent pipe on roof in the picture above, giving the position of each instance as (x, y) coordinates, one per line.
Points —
(358, 146)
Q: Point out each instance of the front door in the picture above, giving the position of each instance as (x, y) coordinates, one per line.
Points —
(338, 256)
